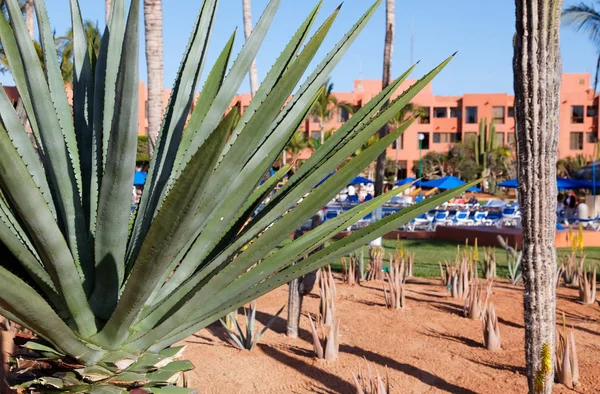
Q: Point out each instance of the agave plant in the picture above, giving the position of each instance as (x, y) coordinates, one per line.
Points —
(248, 340)
(108, 293)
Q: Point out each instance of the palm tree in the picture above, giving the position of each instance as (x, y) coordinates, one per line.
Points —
(537, 76)
(297, 144)
(107, 9)
(29, 17)
(587, 18)
(64, 46)
(387, 70)
(154, 60)
(247, 30)
(325, 107)
(569, 165)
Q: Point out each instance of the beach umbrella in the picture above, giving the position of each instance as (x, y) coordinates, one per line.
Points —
(474, 189)
(511, 184)
(404, 181)
(360, 180)
(139, 178)
(444, 183)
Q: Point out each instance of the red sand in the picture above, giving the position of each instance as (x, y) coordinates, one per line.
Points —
(427, 348)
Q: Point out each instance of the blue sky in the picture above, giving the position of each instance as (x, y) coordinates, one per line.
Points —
(481, 32)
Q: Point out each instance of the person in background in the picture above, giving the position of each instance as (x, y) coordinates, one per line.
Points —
(351, 190)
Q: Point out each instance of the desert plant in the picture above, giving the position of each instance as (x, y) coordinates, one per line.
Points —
(571, 267)
(375, 269)
(327, 292)
(587, 286)
(409, 259)
(476, 301)
(248, 340)
(110, 293)
(459, 275)
(326, 339)
(489, 263)
(567, 365)
(513, 261)
(396, 278)
(491, 329)
(366, 382)
(351, 267)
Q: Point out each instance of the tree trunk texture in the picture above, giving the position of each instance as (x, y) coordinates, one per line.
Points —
(537, 77)
(247, 30)
(29, 17)
(107, 9)
(387, 70)
(298, 288)
(154, 60)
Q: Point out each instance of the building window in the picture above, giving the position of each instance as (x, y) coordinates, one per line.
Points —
(424, 117)
(591, 137)
(402, 169)
(577, 114)
(511, 139)
(498, 115)
(511, 112)
(500, 139)
(425, 142)
(592, 111)
(455, 112)
(440, 112)
(315, 118)
(576, 140)
(398, 143)
(343, 115)
(469, 137)
(471, 115)
(445, 138)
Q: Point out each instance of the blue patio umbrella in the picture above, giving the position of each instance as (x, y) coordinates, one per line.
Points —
(139, 178)
(404, 181)
(445, 183)
(474, 189)
(360, 180)
(511, 184)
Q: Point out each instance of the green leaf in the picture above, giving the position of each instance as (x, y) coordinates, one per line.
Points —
(114, 205)
(49, 241)
(175, 118)
(39, 347)
(61, 166)
(164, 239)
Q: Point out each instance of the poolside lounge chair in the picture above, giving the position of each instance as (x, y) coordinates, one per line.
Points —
(422, 222)
(462, 219)
(441, 218)
(511, 217)
(480, 219)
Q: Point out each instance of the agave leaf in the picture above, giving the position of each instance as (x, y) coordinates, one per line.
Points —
(174, 121)
(61, 168)
(42, 348)
(22, 143)
(50, 244)
(236, 338)
(114, 203)
(83, 96)
(242, 149)
(170, 224)
(266, 327)
(229, 270)
(29, 308)
(313, 262)
(231, 84)
(11, 51)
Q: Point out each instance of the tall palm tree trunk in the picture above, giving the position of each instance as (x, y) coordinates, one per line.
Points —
(107, 9)
(247, 30)
(154, 60)
(387, 70)
(537, 77)
(29, 17)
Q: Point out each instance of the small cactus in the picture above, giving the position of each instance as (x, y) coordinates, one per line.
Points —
(352, 272)
(489, 263)
(376, 254)
(476, 304)
(249, 340)
(567, 365)
(396, 278)
(368, 383)
(587, 287)
(491, 330)
(326, 328)
(570, 269)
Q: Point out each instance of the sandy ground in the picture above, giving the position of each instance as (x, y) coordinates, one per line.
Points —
(427, 348)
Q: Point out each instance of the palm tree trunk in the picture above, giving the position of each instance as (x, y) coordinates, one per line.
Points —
(154, 61)
(596, 74)
(247, 30)
(29, 18)
(537, 77)
(387, 70)
(107, 9)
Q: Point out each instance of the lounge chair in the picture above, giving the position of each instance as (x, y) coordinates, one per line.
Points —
(441, 218)
(480, 219)
(462, 219)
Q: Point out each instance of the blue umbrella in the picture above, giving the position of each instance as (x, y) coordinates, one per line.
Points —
(474, 189)
(445, 183)
(360, 180)
(404, 181)
(511, 184)
(139, 178)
